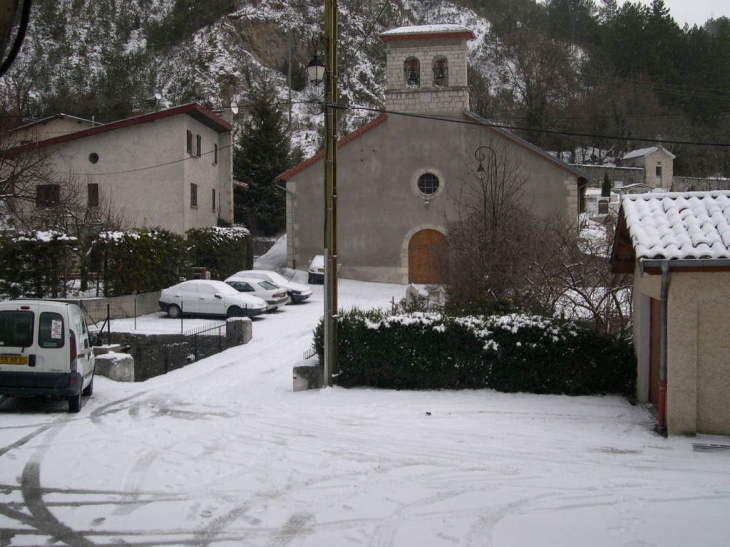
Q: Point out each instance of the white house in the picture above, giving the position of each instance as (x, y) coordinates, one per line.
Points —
(170, 169)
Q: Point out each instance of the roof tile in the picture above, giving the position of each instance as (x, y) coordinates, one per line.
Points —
(691, 225)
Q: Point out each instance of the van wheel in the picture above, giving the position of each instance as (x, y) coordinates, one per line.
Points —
(74, 402)
(89, 390)
(235, 311)
(173, 311)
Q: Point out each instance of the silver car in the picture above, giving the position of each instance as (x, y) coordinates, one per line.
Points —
(274, 295)
(297, 292)
(205, 297)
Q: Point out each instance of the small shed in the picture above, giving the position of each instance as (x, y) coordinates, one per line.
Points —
(677, 245)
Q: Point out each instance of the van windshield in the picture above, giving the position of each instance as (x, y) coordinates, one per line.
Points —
(16, 328)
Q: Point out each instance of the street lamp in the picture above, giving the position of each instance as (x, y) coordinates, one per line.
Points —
(316, 68)
(327, 72)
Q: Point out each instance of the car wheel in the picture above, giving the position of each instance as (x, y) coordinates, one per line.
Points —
(174, 311)
(235, 311)
(74, 402)
(89, 390)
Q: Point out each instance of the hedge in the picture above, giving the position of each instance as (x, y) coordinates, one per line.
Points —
(223, 251)
(511, 353)
(36, 264)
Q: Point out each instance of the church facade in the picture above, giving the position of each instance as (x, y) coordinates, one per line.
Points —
(405, 175)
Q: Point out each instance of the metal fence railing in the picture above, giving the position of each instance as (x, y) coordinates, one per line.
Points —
(159, 343)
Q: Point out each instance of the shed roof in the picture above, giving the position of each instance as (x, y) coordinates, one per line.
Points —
(672, 226)
(641, 152)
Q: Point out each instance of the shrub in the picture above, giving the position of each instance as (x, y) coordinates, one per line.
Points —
(224, 251)
(508, 353)
(139, 260)
(35, 264)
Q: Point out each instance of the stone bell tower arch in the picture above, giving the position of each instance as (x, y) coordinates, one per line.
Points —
(426, 69)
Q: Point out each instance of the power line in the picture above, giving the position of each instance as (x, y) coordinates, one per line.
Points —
(372, 26)
(534, 130)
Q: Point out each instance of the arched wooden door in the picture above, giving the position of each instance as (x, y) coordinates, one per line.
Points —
(428, 258)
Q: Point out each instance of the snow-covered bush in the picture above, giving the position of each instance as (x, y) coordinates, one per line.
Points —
(508, 353)
(36, 264)
(138, 261)
(224, 251)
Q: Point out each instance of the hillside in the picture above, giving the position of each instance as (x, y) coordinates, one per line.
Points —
(572, 73)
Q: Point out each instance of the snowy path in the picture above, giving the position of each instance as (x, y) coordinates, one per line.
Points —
(224, 453)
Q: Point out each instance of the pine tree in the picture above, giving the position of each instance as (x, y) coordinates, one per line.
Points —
(264, 151)
(606, 186)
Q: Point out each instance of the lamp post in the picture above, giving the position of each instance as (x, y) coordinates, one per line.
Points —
(328, 74)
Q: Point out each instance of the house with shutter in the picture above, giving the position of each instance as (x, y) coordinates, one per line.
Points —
(677, 246)
(170, 169)
(402, 175)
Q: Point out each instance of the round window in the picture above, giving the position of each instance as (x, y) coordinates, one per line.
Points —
(428, 184)
(94, 157)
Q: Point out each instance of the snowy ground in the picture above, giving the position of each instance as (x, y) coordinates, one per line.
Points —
(224, 453)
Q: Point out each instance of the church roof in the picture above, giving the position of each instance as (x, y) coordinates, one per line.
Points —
(469, 115)
(573, 170)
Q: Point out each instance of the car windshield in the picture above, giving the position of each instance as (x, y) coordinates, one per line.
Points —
(278, 279)
(268, 286)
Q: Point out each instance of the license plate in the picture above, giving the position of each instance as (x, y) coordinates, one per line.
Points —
(13, 360)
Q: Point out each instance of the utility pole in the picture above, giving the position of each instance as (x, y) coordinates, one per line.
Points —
(330, 194)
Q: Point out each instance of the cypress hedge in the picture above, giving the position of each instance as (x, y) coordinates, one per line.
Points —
(511, 353)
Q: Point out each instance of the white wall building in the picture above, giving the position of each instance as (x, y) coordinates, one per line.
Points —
(170, 169)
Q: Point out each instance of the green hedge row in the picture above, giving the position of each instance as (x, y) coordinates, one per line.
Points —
(224, 251)
(512, 353)
(44, 264)
(35, 263)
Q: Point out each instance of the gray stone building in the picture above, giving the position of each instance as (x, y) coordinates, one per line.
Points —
(405, 174)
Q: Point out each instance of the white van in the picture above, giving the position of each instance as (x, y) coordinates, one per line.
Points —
(45, 349)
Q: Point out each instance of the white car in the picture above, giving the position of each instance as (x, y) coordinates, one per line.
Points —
(205, 297)
(316, 270)
(297, 292)
(274, 295)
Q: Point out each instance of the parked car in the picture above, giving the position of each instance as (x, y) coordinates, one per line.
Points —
(45, 349)
(297, 292)
(316, 270)
(206, 297)
(274, 295)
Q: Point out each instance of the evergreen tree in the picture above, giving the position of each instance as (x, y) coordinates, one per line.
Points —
(264, 151)
(606, 186)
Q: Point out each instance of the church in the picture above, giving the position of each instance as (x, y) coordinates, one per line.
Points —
(402, 176)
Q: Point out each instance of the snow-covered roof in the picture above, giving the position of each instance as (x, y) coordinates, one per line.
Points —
(641, 152)
(419, 30)
(690, 225)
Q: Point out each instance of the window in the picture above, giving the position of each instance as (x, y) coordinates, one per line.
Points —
(92, 192)
(412, 72)
(193, 195)
(190, 142)
(50, 330)
(428, 184)
(47, 195)
(94, 158)
(16, 328)
(213, 200)
(215, 154)
(440, 72)
(198, 145)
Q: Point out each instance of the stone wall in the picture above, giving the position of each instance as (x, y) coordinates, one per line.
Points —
(156, 354)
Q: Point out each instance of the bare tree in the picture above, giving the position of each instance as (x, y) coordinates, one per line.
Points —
(490, 236)
(82, 211)
(571, 277)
